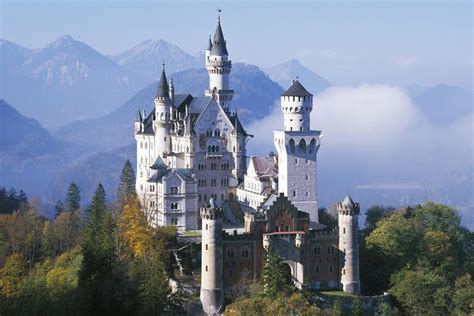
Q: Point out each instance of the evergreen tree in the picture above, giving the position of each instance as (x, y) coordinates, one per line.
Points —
(127, 182)
(59, 208)
(73, 197)
(274, 275)
(98, 281)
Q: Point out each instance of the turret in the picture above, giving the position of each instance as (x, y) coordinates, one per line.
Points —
(171, 85)
(297, 104)
(138, 122)
(162, 118)
(212, 282)
(219, 66)
(348, 213)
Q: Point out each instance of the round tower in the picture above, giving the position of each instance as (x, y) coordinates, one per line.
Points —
(297, 104)
(162, 120)
(219, 66)
(348, 213)
(212, 284)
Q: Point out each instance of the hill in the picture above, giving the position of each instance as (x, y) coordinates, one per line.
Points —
(147, 57)
(285, 72)
(255, 96)
(29, 155)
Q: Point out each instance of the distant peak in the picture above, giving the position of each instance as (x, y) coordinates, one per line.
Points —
(294, 61)
(65, 37)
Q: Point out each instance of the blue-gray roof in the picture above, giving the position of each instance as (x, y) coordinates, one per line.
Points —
(219, 46)
(296, 90)
(163, 88)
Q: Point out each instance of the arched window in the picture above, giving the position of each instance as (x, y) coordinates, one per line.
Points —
(312, 146)
(217, 149)
(302, 146)
(217, 133)
(292, 145)
(209, 149)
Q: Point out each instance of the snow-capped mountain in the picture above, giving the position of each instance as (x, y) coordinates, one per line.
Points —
(285, 72)
(64, 81)
(147, 58)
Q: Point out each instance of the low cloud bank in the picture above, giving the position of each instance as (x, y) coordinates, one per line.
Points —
(375, 134)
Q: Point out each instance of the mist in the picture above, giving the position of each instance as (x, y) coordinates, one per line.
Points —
(379, 147)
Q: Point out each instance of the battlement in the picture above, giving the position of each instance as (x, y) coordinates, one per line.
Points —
(350, 210)
(325, 233)
(238, 237)
(211, 213)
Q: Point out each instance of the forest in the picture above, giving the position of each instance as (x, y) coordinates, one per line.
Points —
(104, 259)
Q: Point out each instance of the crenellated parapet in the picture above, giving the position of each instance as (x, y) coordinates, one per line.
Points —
(211, 213)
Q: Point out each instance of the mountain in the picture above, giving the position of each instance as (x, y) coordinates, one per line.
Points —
(444, 104)
(255, 96)
(29, 155)
(89, 171)
(285, 72)
(63, 81)
(147, 57)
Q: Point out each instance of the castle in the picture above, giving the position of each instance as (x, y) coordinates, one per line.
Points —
(192, 173)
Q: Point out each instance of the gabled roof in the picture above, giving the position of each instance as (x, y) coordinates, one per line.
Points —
(296, 90)
(163, 88)
(265, 166)
(219, 46)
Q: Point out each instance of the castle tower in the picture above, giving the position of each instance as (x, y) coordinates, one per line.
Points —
(349, 245)
(219, 66)
(297, 146)
(212, 283)
(162, 120)
(238, 139)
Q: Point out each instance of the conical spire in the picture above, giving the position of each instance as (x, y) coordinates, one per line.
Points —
(209, 46)
(219, 46)
(163, 88)
(138, 118)
(348, 201)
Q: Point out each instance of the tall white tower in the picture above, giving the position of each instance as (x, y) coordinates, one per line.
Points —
(219, 66)
(348, 213)
(212, 283)
(297, 146)
(162, 122)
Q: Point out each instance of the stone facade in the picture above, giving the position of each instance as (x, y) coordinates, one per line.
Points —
(190, 149)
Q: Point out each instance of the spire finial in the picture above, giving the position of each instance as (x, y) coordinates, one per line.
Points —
(219, 14)
(163, 65)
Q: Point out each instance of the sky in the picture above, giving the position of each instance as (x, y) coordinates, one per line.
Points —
(346, 42)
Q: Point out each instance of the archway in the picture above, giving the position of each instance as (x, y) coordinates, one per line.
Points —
(287, 273)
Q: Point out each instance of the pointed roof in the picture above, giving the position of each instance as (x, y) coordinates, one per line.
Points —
(296, 90)
(159, 164)
(209, 46)
(163, 88)
(238, 128)
(348, 201)
(138, 118)
(219, 46)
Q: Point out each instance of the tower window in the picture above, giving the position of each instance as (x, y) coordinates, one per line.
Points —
(344, 230)
(206, 247)
(294, 193)
(317, 269)
(317, 250)
(330, 268)
(343, 271)
(206, 268)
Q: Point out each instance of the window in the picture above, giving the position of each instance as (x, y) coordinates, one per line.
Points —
(245, 253)
(174, 190)
(294, 193)
(292, 145)
(206, 268)
(344, 230)
(213, 182)
(317, 269)
(141, 145)
(152, 188)
(174, 206)
(307, 177)
(343, 271)
(224, 182)
(213, 166)
(230, 253)
(317, 250)
(331, 250)
(207, 227)
(296, 161)
(330, 268)
(206, 247)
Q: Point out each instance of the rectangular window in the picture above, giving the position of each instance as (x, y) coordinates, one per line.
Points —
(206, 247)
(206, 268)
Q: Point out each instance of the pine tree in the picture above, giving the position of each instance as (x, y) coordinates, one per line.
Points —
(96, 276)
(73, 197)
(59, 208)
(274, 276)
(127, 182)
